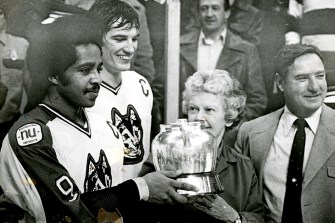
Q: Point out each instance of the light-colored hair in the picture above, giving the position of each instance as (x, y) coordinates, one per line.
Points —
(217, 82)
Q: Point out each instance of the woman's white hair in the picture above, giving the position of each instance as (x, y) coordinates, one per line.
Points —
(217, 82)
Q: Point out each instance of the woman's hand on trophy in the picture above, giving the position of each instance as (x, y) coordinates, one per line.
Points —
(163, 187)
(216, 207)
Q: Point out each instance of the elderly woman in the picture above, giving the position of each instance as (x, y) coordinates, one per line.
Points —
(217, 100)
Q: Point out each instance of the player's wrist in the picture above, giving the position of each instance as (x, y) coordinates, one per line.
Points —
(143, 188)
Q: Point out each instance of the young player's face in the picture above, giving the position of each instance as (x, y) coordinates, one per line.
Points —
(119, 47)
(305, 85)
(80, 83)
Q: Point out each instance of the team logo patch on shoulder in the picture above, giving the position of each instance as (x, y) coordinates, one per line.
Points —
(29, 134)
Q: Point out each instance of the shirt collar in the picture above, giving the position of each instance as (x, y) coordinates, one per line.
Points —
(207, 41)
(289, 118)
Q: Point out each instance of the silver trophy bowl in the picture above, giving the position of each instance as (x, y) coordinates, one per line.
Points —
(186, 146)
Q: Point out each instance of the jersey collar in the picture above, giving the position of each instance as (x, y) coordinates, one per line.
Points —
(86, 129)
(114, 90)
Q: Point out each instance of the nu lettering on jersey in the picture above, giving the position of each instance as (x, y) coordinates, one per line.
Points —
(29, 134)
(129, 125)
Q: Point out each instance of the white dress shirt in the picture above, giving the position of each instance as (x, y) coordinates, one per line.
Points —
(209, 51)
(276, 164)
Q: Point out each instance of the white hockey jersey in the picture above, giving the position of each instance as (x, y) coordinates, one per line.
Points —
(128, 107)
(47, 161)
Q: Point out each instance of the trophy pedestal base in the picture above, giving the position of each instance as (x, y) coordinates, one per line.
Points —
(208, 183)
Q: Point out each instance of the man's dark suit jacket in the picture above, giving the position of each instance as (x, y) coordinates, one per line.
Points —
(239, 58)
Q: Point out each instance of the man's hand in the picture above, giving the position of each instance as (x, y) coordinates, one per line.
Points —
(162, 187)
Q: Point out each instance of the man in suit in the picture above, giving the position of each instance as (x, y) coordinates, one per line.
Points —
(268, 140)
(214, 46)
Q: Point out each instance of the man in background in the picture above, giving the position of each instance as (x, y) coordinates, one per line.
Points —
(13, 74)
(214, 46)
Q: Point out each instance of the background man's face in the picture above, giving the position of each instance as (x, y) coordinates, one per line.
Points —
(305, 85)
(212, 15)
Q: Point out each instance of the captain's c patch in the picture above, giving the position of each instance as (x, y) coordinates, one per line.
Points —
(29, 134)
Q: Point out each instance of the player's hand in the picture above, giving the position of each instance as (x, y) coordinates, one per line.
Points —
(163, 188)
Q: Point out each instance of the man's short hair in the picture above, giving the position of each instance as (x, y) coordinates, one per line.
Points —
(112, 11)
(286, 56)
(226, 5)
